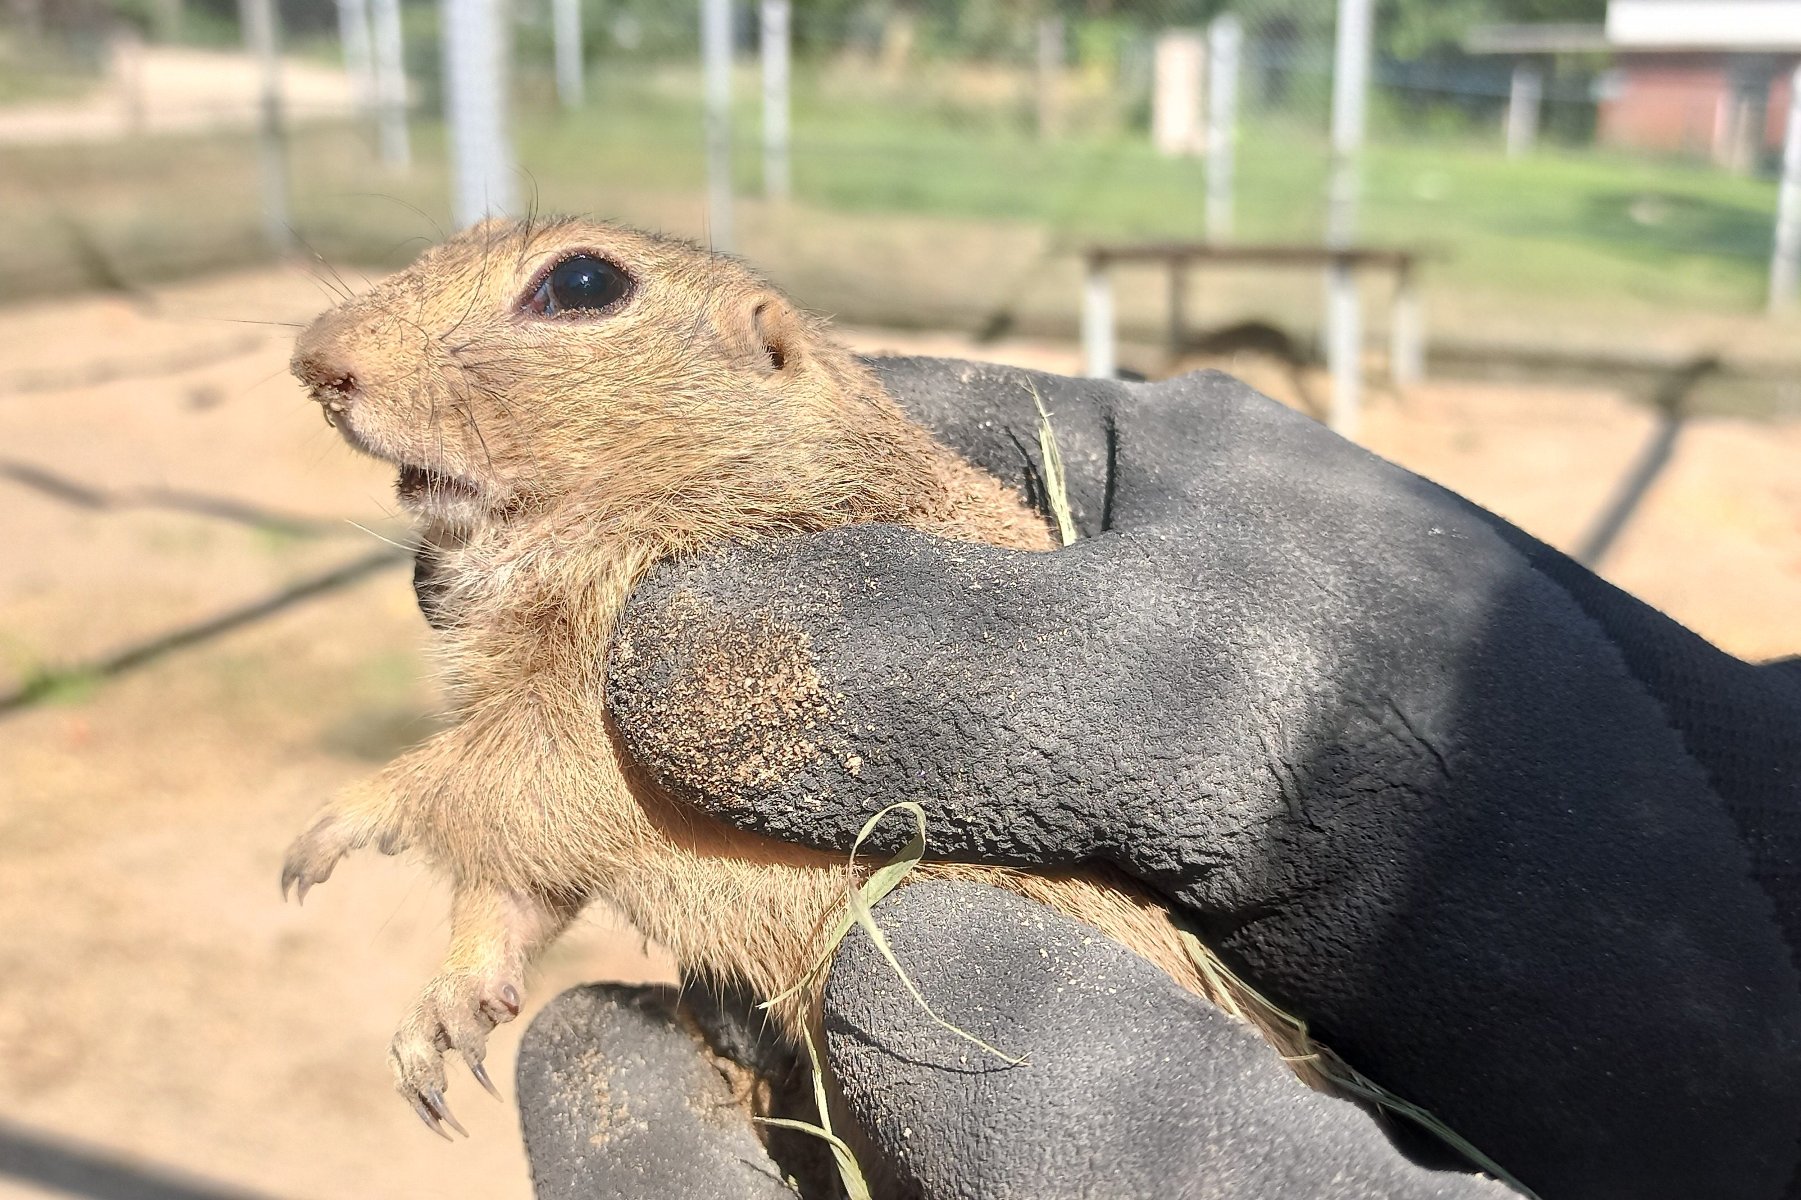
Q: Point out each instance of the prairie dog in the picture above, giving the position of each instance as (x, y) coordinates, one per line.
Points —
(568, 402)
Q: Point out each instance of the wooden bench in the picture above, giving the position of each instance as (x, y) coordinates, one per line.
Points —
(1406, 354)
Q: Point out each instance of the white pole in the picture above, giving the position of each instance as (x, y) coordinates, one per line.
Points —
(778, 180)
(1225, 38)
(263, 38)
(1098, 356)
(353, 39)
(1407, 332)
(1350, 95)
(475, 55)
(716, 63)
(1350, 98)
(390, 87)
(1785, 255)
(566, 17)
(1523, 97)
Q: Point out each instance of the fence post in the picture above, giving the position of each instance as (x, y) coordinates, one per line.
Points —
(1098, 354)
(1350, 94)
(390, 87)
(1523, 97)
(1225, 38)
(262, 36)
(1178, 80)
(1785, 253)
(475, 56)
(716, 62)
(566, 21)
(773, 45)
(359, 63)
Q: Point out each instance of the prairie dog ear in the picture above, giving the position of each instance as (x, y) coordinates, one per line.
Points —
(762, 331)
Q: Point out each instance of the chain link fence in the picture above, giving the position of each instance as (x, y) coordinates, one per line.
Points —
(940, 164)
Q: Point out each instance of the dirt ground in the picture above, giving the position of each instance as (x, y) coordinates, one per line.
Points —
(172, 89)
(164, 1020)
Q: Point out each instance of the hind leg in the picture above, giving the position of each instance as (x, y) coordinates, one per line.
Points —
(495, 933)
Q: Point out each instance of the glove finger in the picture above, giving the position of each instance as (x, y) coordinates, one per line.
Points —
(621, 1095)
(795, 687)
(988, 414)
(1130, 1087)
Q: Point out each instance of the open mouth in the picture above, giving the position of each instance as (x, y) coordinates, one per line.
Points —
(423, 489)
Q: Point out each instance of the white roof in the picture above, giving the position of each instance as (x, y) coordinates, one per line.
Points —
(1704, 24)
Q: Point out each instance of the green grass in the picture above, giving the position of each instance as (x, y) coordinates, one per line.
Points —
(1573, 223)
(1565, 227)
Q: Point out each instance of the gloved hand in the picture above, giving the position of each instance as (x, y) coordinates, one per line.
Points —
(624, 1094)
(1517, 847)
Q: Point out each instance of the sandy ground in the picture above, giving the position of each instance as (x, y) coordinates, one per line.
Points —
(164, 1020)
(177, 89)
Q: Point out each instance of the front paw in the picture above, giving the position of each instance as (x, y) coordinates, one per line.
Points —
(457, 1012)
(335, 833)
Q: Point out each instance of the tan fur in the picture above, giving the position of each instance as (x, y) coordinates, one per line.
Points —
(587, 449)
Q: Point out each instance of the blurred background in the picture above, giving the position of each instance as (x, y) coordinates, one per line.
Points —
(1543, 251)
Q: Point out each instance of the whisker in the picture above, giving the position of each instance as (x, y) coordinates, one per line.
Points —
(320, 259)
(392, 199)
(410, 549)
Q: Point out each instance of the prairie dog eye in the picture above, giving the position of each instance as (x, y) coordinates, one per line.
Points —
(581, 284)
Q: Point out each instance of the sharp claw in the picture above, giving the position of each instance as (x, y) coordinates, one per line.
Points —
(435, 1100)
(300, 892)
(509, 996)
(481, 1076)
(431, 1122)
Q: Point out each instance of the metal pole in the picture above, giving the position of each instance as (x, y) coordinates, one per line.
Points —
(262, 36)
(1407, 331)
(1350, 95)
(1098, 355)
(1523, 97)
(716, 62)
(1785, 255)
(773, 43)
(1050, 71)
(359, 63)
(566, 17)
(1225, 38)
(1350, 100)
(475, 41)
(390, 87)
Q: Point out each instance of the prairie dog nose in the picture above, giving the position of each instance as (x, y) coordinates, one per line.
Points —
(328, 378)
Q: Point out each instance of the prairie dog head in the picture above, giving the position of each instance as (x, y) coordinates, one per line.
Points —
(522, 365)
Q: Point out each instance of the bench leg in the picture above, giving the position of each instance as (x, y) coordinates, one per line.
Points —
(1099, 354)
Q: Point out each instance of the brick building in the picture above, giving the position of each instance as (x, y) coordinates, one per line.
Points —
(1708, 78)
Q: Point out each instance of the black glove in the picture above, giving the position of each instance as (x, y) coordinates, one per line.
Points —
(628, 1091)
(621, 1092)
(1517, 847)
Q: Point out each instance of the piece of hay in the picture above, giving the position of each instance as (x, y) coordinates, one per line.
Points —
(859, 900)
(1056, 486)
